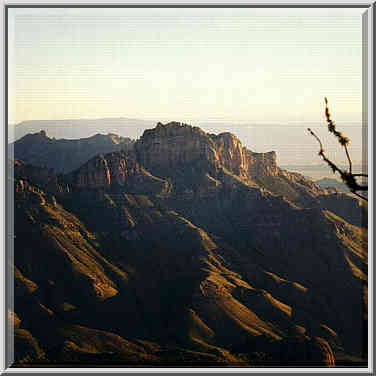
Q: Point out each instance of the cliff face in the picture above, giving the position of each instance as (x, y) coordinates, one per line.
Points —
(104, 171)
(261, 164)
(170, 146)
(117, 170)
(176, 150)
(231, 154)
(42, 177)
(173, 145)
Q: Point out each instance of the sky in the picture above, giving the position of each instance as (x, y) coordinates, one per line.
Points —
(244, 66)
(212, 64)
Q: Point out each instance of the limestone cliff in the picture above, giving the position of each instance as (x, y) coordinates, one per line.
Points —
(176, 149)
(174, 144)
(114, 170)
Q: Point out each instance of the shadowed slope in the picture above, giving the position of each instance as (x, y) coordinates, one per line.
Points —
(197, 264)
(65, 155)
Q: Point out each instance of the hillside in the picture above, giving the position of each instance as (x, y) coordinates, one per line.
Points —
(189, 249)
(334, 184)
(65, 155)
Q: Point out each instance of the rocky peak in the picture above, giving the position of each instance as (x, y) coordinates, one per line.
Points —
(231, 154)
(38, 137)
(115, 138)
(41, 134)
(189, 160)
(102, 171)
(174, 128)
(198, 159)
(65, 155)
(262, 164)
(173, 145)
(117, 169)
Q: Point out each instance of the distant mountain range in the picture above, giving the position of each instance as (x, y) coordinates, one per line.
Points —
(295, 147)
(80, 128)
(65, 155)
(183, 248)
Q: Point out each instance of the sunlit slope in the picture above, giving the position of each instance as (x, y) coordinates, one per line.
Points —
(194, 263)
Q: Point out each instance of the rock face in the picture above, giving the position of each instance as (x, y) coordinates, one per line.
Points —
(174, 145)
(43, 177)
(170, 146)
(262, 164)
(104, 171)
(114, 170)
(188, 250)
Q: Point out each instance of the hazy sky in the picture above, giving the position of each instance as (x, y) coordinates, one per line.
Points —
(241, 65)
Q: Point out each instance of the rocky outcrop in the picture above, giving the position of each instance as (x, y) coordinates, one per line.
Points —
(175, 145)
(259, 164)
(42, 178)
(231, 154)
(114, 170)
(104, 171)
(176, 149)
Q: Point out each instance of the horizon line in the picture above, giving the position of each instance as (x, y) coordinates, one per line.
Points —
(243, 122)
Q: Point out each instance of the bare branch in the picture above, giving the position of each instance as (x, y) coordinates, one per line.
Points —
(317, 138)
(347, 176)
(362, 188)
(348, 158)
(360, 196)
(344, 141)
(332, 165)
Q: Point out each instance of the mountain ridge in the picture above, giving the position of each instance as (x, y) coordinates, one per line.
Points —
(193, 257)
(65, 155)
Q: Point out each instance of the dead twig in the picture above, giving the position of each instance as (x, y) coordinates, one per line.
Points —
(347, 176)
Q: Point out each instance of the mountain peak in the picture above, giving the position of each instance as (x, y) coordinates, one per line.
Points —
(41, 135)
(65, 155)
(173, 145)
(173, 128)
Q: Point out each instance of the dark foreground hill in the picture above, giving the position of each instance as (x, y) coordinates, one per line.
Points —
(187, 250)
(333, 184)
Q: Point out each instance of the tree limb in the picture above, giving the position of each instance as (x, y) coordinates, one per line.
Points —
(347, 176)
(344, 141)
